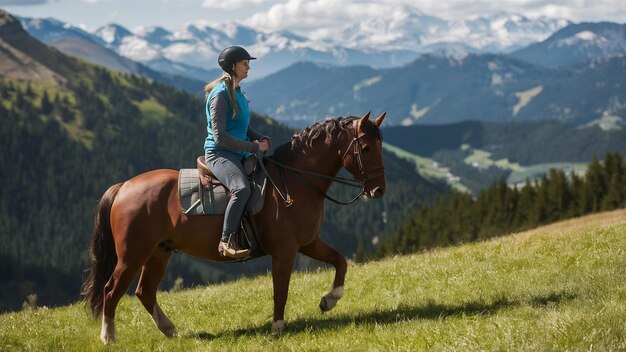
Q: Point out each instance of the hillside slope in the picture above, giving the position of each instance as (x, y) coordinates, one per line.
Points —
(551, 288)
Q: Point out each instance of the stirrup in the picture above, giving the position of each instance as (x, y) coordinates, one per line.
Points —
(229, 249)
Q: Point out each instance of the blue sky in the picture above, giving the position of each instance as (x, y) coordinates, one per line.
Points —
(300, 16)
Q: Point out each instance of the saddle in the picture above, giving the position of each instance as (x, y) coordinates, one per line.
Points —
(201, 193)
(207, 178)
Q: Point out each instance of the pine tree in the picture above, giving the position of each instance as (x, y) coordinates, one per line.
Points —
(46, 106)
(557, 195)
(29, 90)
(526, 201)
(615, 174)
(577, 189)
(594, 187)
(20, 101)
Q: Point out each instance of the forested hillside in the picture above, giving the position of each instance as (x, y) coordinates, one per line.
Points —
(480, 153)
(501, 209)
(69, 134)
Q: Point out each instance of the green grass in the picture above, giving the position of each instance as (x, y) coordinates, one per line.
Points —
(483, 160)
(520, 173)
(424, 166)
(533, 171)
(152, 111)
(556, 288)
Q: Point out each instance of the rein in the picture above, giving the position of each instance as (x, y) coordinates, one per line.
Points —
(287, 198)
(342, 180)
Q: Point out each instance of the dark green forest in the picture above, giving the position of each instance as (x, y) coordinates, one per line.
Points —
(63, 146)
(501, 209)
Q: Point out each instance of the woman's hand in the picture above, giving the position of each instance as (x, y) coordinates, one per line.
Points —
(266, 138)
(264, 145)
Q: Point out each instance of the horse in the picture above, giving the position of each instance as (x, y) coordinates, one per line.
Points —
(133, 220)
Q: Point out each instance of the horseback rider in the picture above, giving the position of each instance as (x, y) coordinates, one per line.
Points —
(230, 140)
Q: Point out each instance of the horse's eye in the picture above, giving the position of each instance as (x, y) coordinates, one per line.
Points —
(366, 149)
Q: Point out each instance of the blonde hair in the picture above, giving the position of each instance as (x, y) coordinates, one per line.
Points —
(230, 88)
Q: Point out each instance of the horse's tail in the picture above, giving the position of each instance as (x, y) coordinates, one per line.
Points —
(102, 253)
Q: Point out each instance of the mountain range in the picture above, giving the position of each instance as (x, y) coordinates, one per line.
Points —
(395, 40)
(77, 42)
(439, 89)
(577, 43)
(575, 75)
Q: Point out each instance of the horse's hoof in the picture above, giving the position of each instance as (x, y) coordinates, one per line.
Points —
(278, 326)
(170, 333)
(107, 334)
(163, 323)
(107, 340)
(329, 300)
(327, 303)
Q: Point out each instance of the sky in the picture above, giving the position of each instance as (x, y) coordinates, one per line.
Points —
(299, 16)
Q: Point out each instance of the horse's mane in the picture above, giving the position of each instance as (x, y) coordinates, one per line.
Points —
(327, 129)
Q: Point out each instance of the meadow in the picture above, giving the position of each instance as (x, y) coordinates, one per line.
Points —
(554, 288)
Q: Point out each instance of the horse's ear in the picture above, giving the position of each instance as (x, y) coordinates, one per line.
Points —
(365, 118)
(380, 119)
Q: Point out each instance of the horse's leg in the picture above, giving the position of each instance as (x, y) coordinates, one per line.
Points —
(282, 265)
(115, 288)
(321, 251)
(151, 275)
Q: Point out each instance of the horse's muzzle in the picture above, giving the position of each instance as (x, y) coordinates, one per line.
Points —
(376, 192)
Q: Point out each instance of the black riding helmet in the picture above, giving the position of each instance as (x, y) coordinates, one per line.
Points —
(231, 55)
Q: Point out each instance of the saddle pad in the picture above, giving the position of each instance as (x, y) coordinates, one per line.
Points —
(212, 200)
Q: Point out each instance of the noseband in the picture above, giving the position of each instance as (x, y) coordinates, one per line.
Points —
(358, 181)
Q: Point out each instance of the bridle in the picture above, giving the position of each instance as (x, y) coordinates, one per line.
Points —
(357, 157)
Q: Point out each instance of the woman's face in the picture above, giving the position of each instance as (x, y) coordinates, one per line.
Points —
(241, 69)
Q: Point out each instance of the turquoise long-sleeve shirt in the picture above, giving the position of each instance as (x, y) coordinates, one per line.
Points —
(225, 132)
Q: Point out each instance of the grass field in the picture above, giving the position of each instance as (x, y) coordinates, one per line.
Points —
(424, 166)
(534, 171)
(556, 288)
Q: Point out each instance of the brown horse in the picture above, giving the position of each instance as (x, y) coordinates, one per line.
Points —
(134, 217)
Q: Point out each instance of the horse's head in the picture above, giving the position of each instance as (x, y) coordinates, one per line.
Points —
(363, 157)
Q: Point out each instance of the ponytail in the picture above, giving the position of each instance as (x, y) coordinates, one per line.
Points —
(230, 88)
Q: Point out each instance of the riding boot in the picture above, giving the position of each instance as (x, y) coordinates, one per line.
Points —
(231, 249)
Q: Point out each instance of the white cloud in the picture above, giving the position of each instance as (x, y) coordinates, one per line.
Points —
(22, 2)
(230, 4)
(309, 15)
(326, 15)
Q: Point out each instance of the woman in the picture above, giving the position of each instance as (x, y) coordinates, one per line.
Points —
(230, 139)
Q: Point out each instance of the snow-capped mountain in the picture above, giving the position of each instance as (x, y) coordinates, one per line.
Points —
(577, 43)
(405, 28)
(50, 30)
(87, 46)
(408, 28)
(502, 32)
(395, 40)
